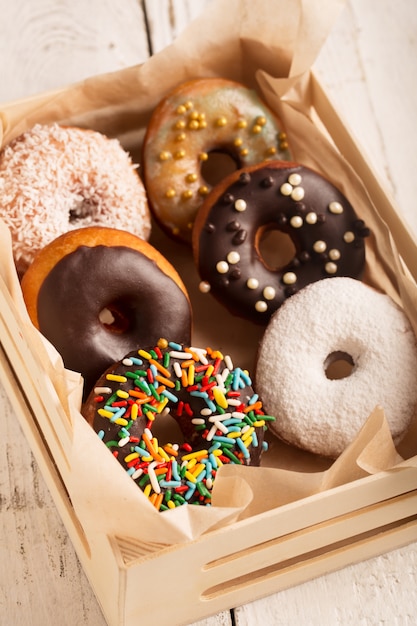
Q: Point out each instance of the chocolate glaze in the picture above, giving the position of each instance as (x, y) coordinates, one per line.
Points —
(147, 304)
(229, 230)
(137, 376)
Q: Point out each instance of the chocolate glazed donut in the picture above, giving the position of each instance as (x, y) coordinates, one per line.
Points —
(327, 236)
(115, 298)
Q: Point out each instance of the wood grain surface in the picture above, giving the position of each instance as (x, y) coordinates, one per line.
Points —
(368, 65)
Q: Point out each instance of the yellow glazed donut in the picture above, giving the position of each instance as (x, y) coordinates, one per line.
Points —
(197, 118)
(55, 179)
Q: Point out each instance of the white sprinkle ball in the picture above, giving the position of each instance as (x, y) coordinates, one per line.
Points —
(252, 283)
(296, 221)
(240, 205)
(297, 194)
(286, 189)
(269, 293)
(330, 267)
(261, 306)
(204, 286)
(311, 218)
(336, 208)
(295, 179)
(334, 254)
(233, 257)
(222, 267)
(319, 246)
(289, 278)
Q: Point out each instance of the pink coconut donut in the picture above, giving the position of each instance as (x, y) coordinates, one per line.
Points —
(54, 179)
(337, 319)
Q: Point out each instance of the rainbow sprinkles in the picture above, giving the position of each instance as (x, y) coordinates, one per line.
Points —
(219, 414)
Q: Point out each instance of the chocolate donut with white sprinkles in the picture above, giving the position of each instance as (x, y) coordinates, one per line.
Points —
(219, 414)
(325, 231)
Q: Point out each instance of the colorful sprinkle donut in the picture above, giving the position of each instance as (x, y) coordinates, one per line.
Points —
(220, 416)
(198, 118)
(327, 236)
(338, 322)
(54, 179)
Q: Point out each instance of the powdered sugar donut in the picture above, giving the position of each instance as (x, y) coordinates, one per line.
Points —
(54, 179)
(337, 320)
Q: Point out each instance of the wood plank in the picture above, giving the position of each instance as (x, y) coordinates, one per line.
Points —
(49, 44)
(168, 18)
(368, 66)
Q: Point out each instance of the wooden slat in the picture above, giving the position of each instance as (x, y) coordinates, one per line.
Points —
(49, 44)
(166, 19)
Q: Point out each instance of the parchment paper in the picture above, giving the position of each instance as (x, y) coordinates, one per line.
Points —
(269, 45)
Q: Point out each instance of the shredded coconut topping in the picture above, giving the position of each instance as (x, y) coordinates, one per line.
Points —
(54, 179)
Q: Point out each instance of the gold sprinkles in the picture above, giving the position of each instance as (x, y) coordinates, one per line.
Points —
(164, 155)
(249, 130)
(221, 121)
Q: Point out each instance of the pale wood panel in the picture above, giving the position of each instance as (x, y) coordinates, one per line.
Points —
(168, 18)
(39, 571)
(45, 44)
(369, 65)
(375, 592)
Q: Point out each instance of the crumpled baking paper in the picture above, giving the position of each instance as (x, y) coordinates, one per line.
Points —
(269, 46)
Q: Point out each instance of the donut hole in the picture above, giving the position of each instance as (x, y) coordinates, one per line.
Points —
(166, 428)
(80, 211)
(217, 166)
(275, 248)
(117, 317)
(338, 365)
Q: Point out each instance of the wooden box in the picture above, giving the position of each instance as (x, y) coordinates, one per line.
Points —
(137, 581)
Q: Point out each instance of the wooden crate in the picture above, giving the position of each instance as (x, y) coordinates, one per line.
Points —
(245, 560)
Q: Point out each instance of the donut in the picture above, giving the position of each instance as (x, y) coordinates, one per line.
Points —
(54, 179)
(198, 118)
(328, 357)
(200, 391)
(96, 293)
(326, 236)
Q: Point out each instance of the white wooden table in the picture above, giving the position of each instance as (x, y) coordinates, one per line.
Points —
(369, 66)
